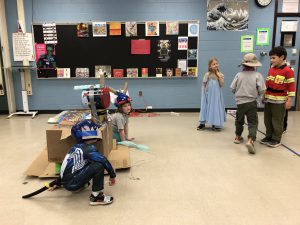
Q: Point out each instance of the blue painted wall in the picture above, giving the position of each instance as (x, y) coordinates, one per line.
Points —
(159, 93)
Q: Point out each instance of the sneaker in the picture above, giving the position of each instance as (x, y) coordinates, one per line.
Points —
(201, 127)
(101, 199)
(238, 140)
(274, 144)
(250, 147)
(265, 141)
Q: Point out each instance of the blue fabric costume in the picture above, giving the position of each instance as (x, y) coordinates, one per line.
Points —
(212, 103)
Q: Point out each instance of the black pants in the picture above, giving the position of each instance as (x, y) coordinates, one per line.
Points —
(93, 171)
(249, 110)
(285, 124)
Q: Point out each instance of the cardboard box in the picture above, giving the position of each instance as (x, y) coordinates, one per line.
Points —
(42, 168)
(59, 141)
(120, 158)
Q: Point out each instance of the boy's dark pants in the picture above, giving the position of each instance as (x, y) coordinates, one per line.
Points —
(93, 171)
(273, 117)
(249, 110)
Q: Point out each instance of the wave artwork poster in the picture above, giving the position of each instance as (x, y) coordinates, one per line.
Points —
(227, 15)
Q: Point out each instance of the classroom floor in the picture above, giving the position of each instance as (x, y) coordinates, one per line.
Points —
(188, 177)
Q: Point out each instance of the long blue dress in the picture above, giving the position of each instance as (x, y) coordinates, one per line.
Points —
(212, 103)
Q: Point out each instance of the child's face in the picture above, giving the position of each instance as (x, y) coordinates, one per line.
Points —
(126, 108)
(214, 65)
(276, 60)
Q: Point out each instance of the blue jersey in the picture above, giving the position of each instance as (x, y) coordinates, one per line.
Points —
(80, 156)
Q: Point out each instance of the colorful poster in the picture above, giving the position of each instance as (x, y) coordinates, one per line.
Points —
(63, 72)
(193, 29)
(192, 54)
(140, 47)
(169, 72)
(227, 15)
(114, 28)
(158, 72)
(131, 29)
(144, 72)
(183, 43)
(82, 72)
(247, 42)
(83, 30)
(99, 29)
(45, 56)
(178, 72)
(192, 71)
(263, 36)
(118, 73)
(104, 70)
(50, 34)
(164, 50)
(132, 72)
(172, 28)
(152, 28)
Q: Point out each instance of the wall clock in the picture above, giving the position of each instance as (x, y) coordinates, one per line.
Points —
(263, 3)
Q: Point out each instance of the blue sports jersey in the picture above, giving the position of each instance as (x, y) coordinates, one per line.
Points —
(79, 156)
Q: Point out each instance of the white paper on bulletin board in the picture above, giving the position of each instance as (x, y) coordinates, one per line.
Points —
(23, 47)
(290, 6)
(289, 25)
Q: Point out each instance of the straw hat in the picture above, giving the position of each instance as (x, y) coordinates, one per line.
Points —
(250, 59)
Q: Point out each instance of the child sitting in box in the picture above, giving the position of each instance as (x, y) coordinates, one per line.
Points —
(120, 118)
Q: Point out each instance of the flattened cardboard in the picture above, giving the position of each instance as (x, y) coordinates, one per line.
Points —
(59, 141)
(40, 167)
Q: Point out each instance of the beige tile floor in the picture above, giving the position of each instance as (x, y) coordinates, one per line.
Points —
(188, 177)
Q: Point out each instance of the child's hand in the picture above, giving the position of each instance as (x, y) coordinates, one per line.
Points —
(112, 181)
(53, 188)
(130, 139)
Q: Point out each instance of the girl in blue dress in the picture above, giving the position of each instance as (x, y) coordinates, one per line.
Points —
(212, 102)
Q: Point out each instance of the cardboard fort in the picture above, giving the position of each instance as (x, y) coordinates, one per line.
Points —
(59, 141)
(41, 167)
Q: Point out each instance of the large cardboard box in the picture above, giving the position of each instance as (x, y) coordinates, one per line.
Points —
(41, 167)
(59, 141)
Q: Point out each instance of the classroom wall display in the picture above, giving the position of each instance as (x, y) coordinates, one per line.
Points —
(152, 28)
(172, 28)
(227, 15)
(99, 29)
(164, 50)
(94, 51)
(131, 29)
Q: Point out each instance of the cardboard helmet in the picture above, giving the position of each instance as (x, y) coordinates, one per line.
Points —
(85, 130)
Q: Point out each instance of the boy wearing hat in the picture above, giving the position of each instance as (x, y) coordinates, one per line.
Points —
(247, 86)
(278, 96)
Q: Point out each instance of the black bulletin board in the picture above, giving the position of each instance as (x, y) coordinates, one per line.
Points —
(73, 52)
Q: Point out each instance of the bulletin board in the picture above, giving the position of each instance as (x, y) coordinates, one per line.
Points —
(85, 52)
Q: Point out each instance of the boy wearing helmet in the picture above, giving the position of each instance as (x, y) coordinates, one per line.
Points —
(83, 163)
(247, 86)
(120, 118)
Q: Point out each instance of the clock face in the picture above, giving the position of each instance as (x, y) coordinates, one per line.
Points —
(263, 3)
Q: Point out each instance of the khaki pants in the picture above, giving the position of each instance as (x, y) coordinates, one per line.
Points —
(249, 110)
(273, 117)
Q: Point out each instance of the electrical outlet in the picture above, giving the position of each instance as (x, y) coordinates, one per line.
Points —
(140, 93)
